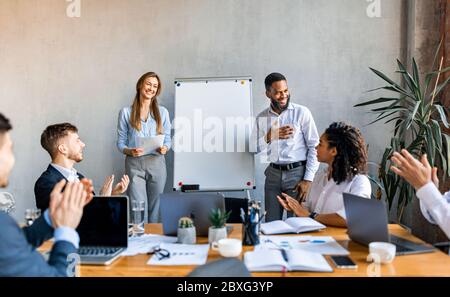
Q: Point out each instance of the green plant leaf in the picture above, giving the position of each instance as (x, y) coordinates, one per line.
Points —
(441, 86)
(415, 146)
(446, 151)
(416, 75)
(376, 101)
(442, 71)
(380, 118)
(390, 108)
(429, 145)
(400, 203)
(437, 135)
(442, 114)
(384, 77)
(410, 192)
(393, 89)
(408, 78)
(414, 112)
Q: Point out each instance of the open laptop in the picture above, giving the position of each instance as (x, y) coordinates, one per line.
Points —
(367, 222)
(196, 205)
(103, 230)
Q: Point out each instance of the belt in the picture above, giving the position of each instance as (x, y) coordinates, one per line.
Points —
(288, 166)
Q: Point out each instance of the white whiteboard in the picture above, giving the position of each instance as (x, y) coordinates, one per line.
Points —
(212, 127)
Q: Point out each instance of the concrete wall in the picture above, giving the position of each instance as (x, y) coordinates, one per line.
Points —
(83, 70)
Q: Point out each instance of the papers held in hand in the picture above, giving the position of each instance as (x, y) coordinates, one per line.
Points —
(150, 144)
(291, 225)
(296, 260)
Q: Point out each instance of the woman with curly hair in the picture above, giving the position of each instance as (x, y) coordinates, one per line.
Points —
(343, 149)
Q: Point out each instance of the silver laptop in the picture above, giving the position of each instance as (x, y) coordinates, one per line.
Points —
(367, 222)
(195, 205)
(103, 230)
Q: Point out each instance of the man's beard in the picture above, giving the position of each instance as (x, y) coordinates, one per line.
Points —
(276, 105)
(4, 184)
(75, 157)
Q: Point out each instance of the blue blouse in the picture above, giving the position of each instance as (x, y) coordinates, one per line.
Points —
(127, 135)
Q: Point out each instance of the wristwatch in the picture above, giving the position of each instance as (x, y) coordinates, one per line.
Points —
(313, 215)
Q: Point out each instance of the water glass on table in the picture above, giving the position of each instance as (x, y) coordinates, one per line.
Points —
(138, 209)
(31, 214)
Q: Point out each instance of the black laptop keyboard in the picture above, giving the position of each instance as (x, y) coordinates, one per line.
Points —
(97, 251)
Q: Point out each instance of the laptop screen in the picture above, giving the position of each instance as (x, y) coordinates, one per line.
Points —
(105, 222)
(198, 206)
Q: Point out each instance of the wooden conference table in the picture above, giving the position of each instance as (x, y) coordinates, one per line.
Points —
(429, 264)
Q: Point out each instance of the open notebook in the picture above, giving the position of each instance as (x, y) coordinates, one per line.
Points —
(291, 225)
(297, 260)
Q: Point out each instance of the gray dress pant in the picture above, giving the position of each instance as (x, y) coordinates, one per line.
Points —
(147, 180)
(278, 181)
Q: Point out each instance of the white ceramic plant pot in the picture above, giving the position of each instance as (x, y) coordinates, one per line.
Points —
(216, 234)
(187, 235)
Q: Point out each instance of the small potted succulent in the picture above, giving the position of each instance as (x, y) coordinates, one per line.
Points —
(186, 231)
(218, 219)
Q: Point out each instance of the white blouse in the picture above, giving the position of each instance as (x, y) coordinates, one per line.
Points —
(435, 207)
(326, 197)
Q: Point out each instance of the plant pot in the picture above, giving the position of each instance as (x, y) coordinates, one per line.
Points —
(187, 235)
(215, 234)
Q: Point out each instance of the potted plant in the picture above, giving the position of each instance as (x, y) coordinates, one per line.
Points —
(218, 219)
(417, 116)
(186, 231)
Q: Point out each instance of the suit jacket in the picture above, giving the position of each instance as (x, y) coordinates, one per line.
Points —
(45, 184)
(18, 255)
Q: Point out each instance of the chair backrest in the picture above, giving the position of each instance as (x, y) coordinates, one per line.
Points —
(227, 267)
(373, 169)
(7, 202)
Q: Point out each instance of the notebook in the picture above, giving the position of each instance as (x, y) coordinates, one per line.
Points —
(296, 260)
(291, 225)
(325, 245)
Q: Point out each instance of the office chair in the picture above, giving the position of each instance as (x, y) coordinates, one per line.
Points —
(227, 267)
(373, 169)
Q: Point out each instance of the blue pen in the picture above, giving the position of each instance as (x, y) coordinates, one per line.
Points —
(284, 254)
(317, 241)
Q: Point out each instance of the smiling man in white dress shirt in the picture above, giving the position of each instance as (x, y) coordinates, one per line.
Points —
(287, 132)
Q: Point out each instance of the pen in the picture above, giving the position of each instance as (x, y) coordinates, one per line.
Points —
(312, 241)
(284, 254)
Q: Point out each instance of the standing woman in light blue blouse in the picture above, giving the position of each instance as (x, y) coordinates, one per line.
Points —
(145, 118)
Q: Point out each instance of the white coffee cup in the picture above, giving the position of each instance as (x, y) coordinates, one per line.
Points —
(228, 247)
(381, 252)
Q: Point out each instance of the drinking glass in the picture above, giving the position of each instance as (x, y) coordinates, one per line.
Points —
(138, 209)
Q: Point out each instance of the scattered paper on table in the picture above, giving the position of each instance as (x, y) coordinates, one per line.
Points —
(182, 254)
(145, 243)
(325, 245)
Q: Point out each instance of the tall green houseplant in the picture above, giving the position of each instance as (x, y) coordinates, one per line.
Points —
(417, 116)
